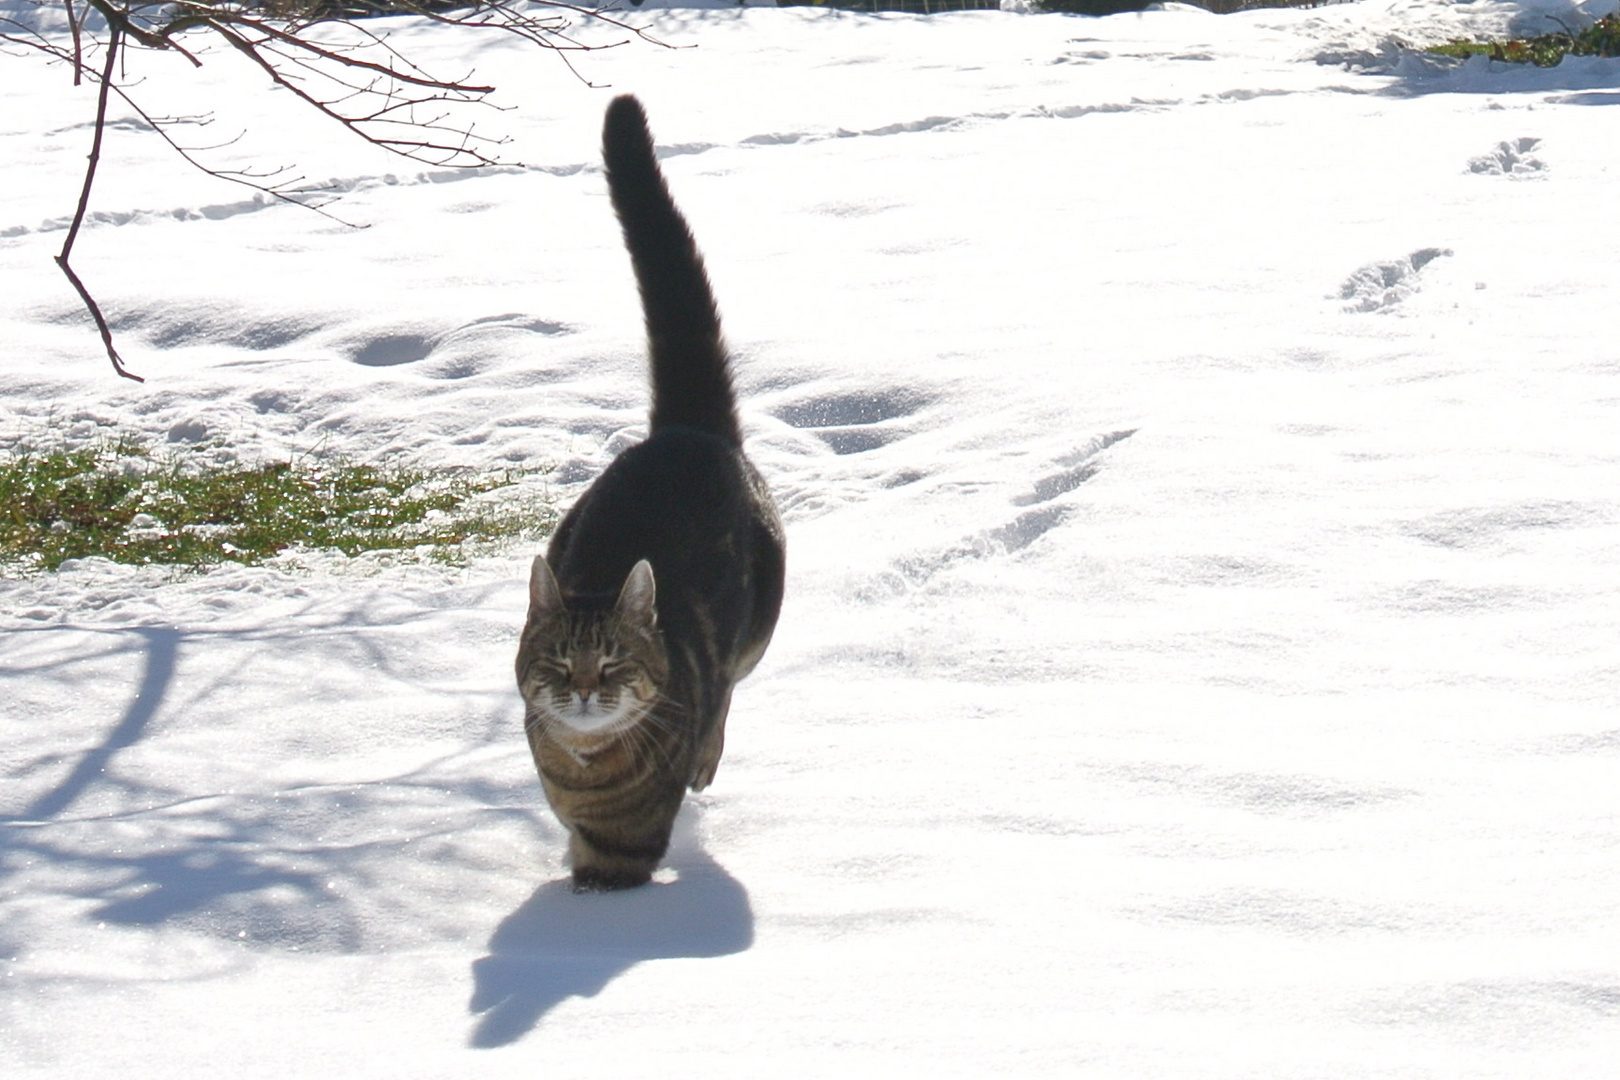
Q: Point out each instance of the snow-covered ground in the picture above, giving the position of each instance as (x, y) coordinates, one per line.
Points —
(1199, 439)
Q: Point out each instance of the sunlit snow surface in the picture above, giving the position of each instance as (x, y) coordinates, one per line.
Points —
(1199, 439)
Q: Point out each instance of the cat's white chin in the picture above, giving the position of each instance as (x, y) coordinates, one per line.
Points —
(597, 721)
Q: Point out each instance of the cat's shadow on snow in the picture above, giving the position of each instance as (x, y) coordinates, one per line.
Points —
(559, 944)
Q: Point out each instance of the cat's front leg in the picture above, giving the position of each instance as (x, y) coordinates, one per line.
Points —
(714, 744)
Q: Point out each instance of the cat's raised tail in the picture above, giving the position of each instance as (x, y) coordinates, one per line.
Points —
(691, 378)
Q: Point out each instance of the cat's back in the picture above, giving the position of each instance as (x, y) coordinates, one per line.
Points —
(686, 500)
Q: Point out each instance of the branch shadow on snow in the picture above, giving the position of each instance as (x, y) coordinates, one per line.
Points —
(172, 875)
(559, 944)
(305, 866)
(162, 648)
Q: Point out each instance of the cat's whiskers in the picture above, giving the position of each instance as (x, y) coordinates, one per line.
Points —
(665, 724)
(641, 747)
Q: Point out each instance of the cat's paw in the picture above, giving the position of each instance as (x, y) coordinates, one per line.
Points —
(589, 879)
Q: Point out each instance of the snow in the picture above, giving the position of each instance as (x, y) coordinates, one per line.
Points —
(1196, 439)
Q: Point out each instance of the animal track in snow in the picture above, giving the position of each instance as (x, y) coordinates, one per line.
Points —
(518, 320)
(951, 123)
(1381, 285)
(1023, 529)
(853, 422)
(1075, 469)
(1084, 56)
(320, 194)
(177, 326)
(1515, 158)
(392, 350)
(1015, 535)
(331, 190)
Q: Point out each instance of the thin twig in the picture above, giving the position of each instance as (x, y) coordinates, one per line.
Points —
(423, 150)
(330, 53)
(73, 25)
(114, 35)
(278, 192)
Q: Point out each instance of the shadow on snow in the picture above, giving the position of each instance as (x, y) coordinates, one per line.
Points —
(308, 866)
(559, 944)
(162, 647)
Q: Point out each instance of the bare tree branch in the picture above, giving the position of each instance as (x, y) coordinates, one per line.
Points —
(113, 38)
(73, 27)
(318, 51)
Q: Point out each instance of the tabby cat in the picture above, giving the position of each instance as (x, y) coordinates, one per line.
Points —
(661, 587)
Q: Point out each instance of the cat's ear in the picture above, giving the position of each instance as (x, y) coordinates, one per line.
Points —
(545, 598)
(637, 597)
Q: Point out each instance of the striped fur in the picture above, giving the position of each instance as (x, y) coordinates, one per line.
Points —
(661, 587)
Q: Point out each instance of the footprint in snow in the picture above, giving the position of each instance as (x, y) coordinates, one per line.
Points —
(392, 350)
(177, 326)
(413, 346)
(1083, 56)
(855, 421)
(1073, 469)
(1380, 286)
(1515, 158)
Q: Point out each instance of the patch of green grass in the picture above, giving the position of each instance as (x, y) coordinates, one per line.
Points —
(123, 502)
(1602, 38)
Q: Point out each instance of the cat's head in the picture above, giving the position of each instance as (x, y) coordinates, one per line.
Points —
(591, 670)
